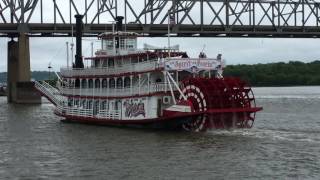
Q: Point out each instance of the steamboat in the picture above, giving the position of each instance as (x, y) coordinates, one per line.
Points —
(152, 87)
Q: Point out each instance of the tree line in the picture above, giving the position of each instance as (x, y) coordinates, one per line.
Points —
(293, 73)
(36, 75)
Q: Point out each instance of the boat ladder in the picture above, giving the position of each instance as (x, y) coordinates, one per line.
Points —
(50, 92)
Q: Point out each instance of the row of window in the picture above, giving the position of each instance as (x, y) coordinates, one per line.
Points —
(124, 43)
(89, 104)
(97, 83)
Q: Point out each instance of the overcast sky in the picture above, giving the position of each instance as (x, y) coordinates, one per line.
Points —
(234, 50)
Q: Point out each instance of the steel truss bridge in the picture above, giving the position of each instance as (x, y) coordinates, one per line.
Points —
(193, 18)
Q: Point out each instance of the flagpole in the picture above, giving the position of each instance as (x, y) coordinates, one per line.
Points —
(67, 43)
(169, 32)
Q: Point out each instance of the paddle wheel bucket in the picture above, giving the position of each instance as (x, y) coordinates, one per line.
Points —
(221, 103)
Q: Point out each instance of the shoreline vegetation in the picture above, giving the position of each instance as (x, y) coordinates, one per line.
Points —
(36, 75)
(293, 73)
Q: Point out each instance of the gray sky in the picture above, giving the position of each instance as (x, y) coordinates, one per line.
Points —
(234, 50)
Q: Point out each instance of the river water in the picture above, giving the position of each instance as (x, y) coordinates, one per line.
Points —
(283, 144)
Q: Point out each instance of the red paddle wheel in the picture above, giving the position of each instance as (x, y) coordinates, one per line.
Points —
(225, 103)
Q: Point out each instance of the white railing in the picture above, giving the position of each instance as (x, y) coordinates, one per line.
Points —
(52, 93)
(109, 114)
(61, 106)
(127, 68)
(81, 112)
(74, 111)
(118, 92)
(206, 64)
(49, 87)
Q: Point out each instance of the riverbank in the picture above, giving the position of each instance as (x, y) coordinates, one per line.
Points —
(293, 73)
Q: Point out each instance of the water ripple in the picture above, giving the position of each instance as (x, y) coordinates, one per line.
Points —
(284, 144)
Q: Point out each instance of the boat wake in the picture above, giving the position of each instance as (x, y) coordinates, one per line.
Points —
(287, 97)
(272, 134)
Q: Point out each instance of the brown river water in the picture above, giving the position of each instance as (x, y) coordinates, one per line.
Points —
(283, 144)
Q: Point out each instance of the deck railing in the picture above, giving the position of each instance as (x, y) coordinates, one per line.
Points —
(52, 93)
(127, 68)
(118, 92)
(109, 114)
(81, 112)
(62, 108)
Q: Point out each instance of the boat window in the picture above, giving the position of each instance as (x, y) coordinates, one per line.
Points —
(107, 44)
(119, 63)
(65, 82)
(103, 105)
(76, 102)
(104, 83)
(96, 105)
(107, 105)
(89, 104)
(117, 105)
(131, 43)
(84, 83)
(97, 63)
(70, 102)
(90, 82)
(84, 103)
(77, 83)
(104, 63)
(110, 62)
(70, 83)
(122, 43)
(126, 82)
(112, 83)
(119, 83)
(112, 105)
(97, 83)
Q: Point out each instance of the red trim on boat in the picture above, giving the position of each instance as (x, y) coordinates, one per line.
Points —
(174, 116)
(142, 54)
(118, 97)
(117, 121)
(234, 110)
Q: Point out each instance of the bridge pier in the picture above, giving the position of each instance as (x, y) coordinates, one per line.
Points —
(19, 87)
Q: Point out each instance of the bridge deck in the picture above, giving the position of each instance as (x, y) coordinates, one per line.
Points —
(61, 30)
(192, 18)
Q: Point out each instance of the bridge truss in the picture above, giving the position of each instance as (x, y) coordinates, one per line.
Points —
(192, 18)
